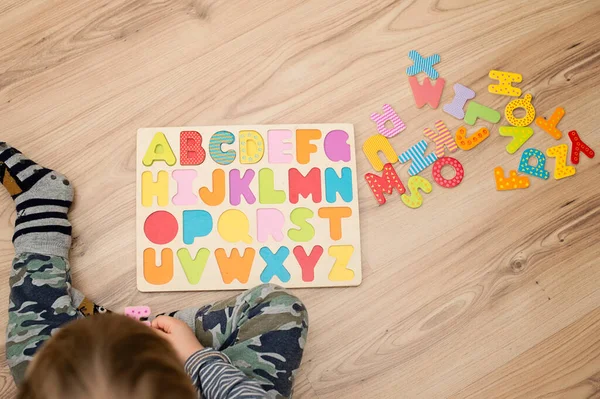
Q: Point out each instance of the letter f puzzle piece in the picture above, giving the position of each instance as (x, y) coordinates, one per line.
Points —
(423, 64)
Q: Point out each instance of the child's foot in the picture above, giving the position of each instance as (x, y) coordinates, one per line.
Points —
(43, 198)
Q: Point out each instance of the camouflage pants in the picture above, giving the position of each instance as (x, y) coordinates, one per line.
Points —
(262, 330)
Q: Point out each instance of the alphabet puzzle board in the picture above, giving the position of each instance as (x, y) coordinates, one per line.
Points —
(230, 207)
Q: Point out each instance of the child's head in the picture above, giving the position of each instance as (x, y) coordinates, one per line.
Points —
(106, 356)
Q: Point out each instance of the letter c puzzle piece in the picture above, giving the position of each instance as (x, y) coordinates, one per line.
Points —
(505, 79)
(373, 145)
(415, 200)
(512, 182)
(388, 115)
(468, 143)
(459, 172)
(561, 170)
(524, 103)
(520, 136)
(215, 147)
(549, 126)
(540, 169)
(578, 147)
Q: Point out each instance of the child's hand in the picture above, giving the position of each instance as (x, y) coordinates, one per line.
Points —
(179, 335)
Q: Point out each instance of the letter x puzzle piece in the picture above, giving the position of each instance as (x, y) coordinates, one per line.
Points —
(423, 64)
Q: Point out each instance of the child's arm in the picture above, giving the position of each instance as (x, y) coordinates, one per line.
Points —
(211, 370)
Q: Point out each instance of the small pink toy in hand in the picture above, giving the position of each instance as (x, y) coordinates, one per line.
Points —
(140, 313)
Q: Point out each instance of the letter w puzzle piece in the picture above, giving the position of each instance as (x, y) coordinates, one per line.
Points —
(231, 207)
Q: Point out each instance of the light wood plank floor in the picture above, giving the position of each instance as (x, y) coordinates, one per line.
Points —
(478, 294)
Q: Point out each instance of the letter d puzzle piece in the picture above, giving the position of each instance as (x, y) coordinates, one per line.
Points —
(512, 182)
(140, 313)
(505, 79)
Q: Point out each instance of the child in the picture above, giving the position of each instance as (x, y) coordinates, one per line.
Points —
(247, 346)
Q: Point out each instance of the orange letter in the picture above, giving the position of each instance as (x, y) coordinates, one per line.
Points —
(154, 274)
(217, 196)
(235, 266)
(335, 216)
(303, 146)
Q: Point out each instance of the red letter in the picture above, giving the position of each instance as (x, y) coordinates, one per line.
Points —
(305, 185)
(191, 152)
(385, 184)
(308, 262)
(579, 146)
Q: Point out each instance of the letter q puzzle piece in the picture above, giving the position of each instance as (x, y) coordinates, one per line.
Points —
(140, 313)
(389, 115)
(512, 182)
(505, 79)
(524, 103)
(561, 170)
(468, 143)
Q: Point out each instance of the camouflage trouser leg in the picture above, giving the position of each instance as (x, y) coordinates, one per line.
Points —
(263, 331)
(40, 303)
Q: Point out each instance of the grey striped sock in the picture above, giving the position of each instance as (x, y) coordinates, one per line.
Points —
(43, 199)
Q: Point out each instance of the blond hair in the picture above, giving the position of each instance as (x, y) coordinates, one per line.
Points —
(106, 356)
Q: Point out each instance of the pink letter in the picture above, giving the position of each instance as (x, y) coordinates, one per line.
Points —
(185, 193)
(279, 142)
(269, 222)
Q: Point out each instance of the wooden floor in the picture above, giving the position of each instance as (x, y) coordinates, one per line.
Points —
(477, 294)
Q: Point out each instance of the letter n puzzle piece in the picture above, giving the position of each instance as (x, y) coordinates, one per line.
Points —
(505, 79)
(415, 200)
(540, 169)
(476, 110)
(419, 162)
(520, 136)
(442, 140)
(140, 313)
(579, 146)
(549, 126)
(375, 144)
(423, 64)
(389, 115)
(561, 170)
(462, 94)
(468, 143)
(385, 184)
(512, 182)
(524, 103)
(427, 93)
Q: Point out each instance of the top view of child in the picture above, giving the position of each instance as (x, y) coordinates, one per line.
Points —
(62, 345)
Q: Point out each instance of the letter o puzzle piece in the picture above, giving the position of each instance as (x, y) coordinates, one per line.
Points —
(161, 227)
(524, 103)
(505, 79)
(459, 172)
(468, 143)
(538, 170)
(561, 170)
(512, 182)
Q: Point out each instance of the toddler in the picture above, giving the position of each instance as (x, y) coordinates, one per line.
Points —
(249, 346)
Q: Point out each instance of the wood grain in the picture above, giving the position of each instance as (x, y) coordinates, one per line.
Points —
(478, 294)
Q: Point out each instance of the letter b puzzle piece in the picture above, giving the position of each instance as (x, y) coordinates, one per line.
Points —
(505, 79)
(423, 64)
(462, 94)
(389, 115)
(579, 146)
(561, 170)
(512, 182)
(419, 162)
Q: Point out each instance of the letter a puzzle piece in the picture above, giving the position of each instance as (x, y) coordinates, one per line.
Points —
(512, 182)
(389, 115)
(423, 64)
(579, 146)
(549, 126)
(427, 93)
(561, 170)
(419, 162)
(442, 140)
(520, 135)
(468, 143)
(505, 79)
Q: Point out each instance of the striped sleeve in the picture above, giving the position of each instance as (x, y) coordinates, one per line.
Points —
(216, 378)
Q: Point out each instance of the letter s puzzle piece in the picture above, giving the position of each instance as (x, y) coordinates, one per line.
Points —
(549, 126)
(561, 170)
(579, 146)
(505, 79)
(512, 182)
(415, 200)
(468, 143)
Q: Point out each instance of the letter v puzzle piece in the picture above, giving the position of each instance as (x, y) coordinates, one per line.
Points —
(423, 64)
